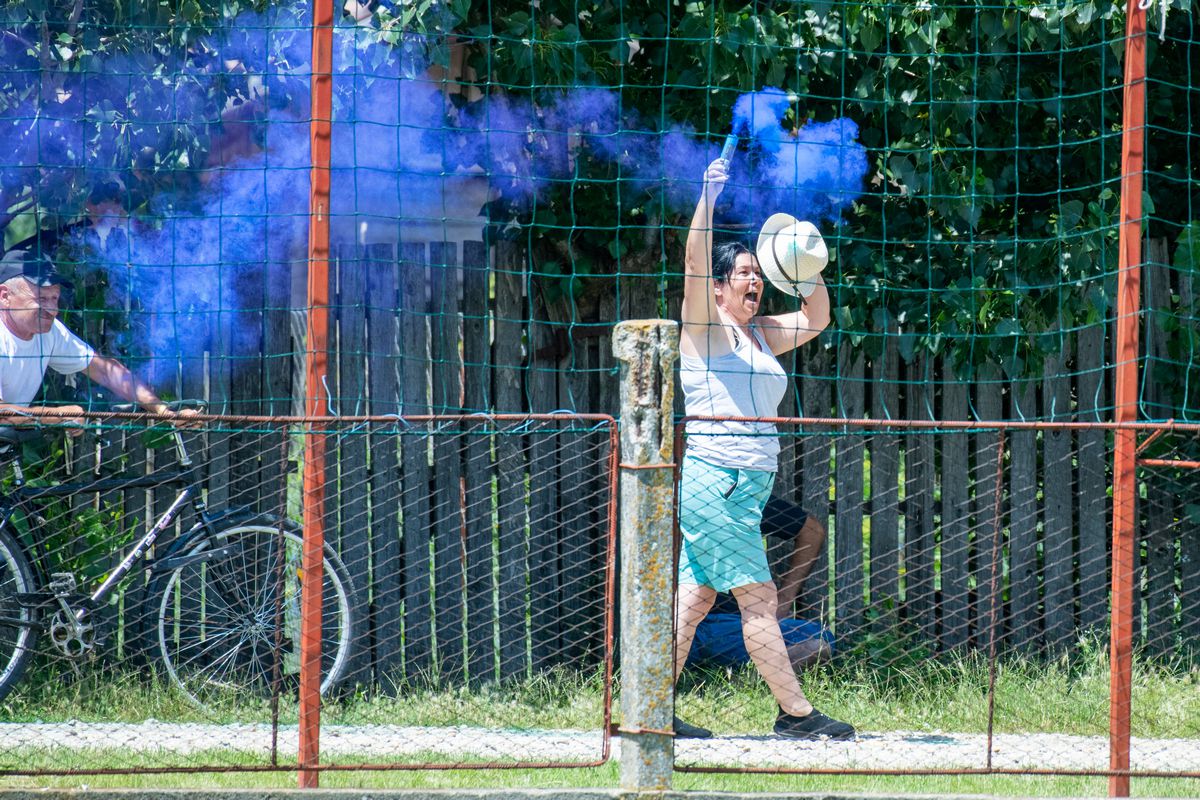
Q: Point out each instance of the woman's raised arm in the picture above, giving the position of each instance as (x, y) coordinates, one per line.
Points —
(699, 311)
(784, 332)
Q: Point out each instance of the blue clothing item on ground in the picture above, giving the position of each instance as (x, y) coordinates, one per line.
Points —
(720, 518)
(719, 639)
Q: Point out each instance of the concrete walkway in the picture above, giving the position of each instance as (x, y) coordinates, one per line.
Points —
(882, 751)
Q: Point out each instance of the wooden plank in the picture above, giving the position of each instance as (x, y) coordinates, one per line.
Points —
(1058, 490)
(152, 503)
(447, 512)
(477, 487)
(1159, 508)
(954, 545)
(510, 462)
(277, 340)
(816, 400)
(193, 386)
(779, 550)
(1189, 580)
(785, 478)
(886, 547)
(218, 397)
(544, 493)
(848, 487)
(919, 524)
(606, 390)
(329, 404)
(1095, 518)
(414, 462)
(1189, 536)
(386, 589)
(276, 401)
(575, 551)
(989, 551)
(139, 620)
(277, 379)
(245, 383)
(1159, 511)
(1025, 619)
(116, 439)
(352, 489)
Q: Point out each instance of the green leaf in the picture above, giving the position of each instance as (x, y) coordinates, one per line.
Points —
(1071, 213)
(870, 37)
(1187, 248)
(905, 173)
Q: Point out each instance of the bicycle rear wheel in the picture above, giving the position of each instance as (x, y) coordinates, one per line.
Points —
(229, 614)
(16, 634)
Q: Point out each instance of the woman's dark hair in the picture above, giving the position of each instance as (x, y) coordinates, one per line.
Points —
(724, 257)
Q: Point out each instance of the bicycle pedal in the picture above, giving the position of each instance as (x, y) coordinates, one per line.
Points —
(62, 583)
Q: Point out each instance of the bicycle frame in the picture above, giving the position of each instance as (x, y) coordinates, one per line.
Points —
(22, 495)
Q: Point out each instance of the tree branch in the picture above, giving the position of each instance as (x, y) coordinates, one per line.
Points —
(76, 15)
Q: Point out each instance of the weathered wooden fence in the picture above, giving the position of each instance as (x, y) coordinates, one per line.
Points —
(426, 329)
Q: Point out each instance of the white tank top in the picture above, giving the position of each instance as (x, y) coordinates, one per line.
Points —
(748, 382)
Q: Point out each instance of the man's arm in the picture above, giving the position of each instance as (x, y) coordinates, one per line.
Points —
(12, 414)
(806, 547)
(116, 377)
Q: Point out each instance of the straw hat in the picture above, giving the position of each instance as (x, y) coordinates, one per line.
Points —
(791, 252)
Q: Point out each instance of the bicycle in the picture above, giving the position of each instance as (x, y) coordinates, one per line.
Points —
(224, 596)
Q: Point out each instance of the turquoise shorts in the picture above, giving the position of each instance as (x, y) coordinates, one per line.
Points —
(720, 520)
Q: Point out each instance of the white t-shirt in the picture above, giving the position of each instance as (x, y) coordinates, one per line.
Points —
(23, 363)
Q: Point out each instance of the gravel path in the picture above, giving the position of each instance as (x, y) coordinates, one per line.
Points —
(895, 750)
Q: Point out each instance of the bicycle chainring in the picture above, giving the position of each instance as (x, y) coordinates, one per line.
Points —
(71, 638)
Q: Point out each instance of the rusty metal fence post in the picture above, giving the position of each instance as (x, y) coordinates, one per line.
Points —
(320, 132)
(647, 350)
(1133, 140)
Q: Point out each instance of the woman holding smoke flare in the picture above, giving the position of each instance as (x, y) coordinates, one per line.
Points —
(728, 368)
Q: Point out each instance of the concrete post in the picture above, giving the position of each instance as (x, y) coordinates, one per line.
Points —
(647, 350)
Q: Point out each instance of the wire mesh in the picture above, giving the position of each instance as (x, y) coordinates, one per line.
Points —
(969, 201)
(953, 606)
(466, 595)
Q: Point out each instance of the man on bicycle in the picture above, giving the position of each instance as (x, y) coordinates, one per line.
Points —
(33, 339)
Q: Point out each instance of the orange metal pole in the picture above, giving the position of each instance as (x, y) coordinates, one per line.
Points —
(316, 367)
(1133, 150)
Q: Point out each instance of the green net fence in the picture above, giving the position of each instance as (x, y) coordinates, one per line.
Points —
(961, 161)
(509, 181)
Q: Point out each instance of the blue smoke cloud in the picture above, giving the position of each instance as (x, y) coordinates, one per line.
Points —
(814, 173)
(187, 258)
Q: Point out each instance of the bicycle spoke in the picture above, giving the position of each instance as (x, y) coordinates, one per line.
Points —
(237, 617)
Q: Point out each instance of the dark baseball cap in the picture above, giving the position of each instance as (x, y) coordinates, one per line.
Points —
(33, 267)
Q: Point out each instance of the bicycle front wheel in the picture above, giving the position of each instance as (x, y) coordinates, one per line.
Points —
(229, 615)
(17, 635)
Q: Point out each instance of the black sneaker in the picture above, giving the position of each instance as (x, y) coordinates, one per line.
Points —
(814, 726)
(686, 731)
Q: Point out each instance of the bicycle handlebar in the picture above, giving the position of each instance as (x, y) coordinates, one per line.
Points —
(128, 408)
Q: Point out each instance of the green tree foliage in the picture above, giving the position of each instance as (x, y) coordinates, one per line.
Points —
(82, 105)
(987, 225)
